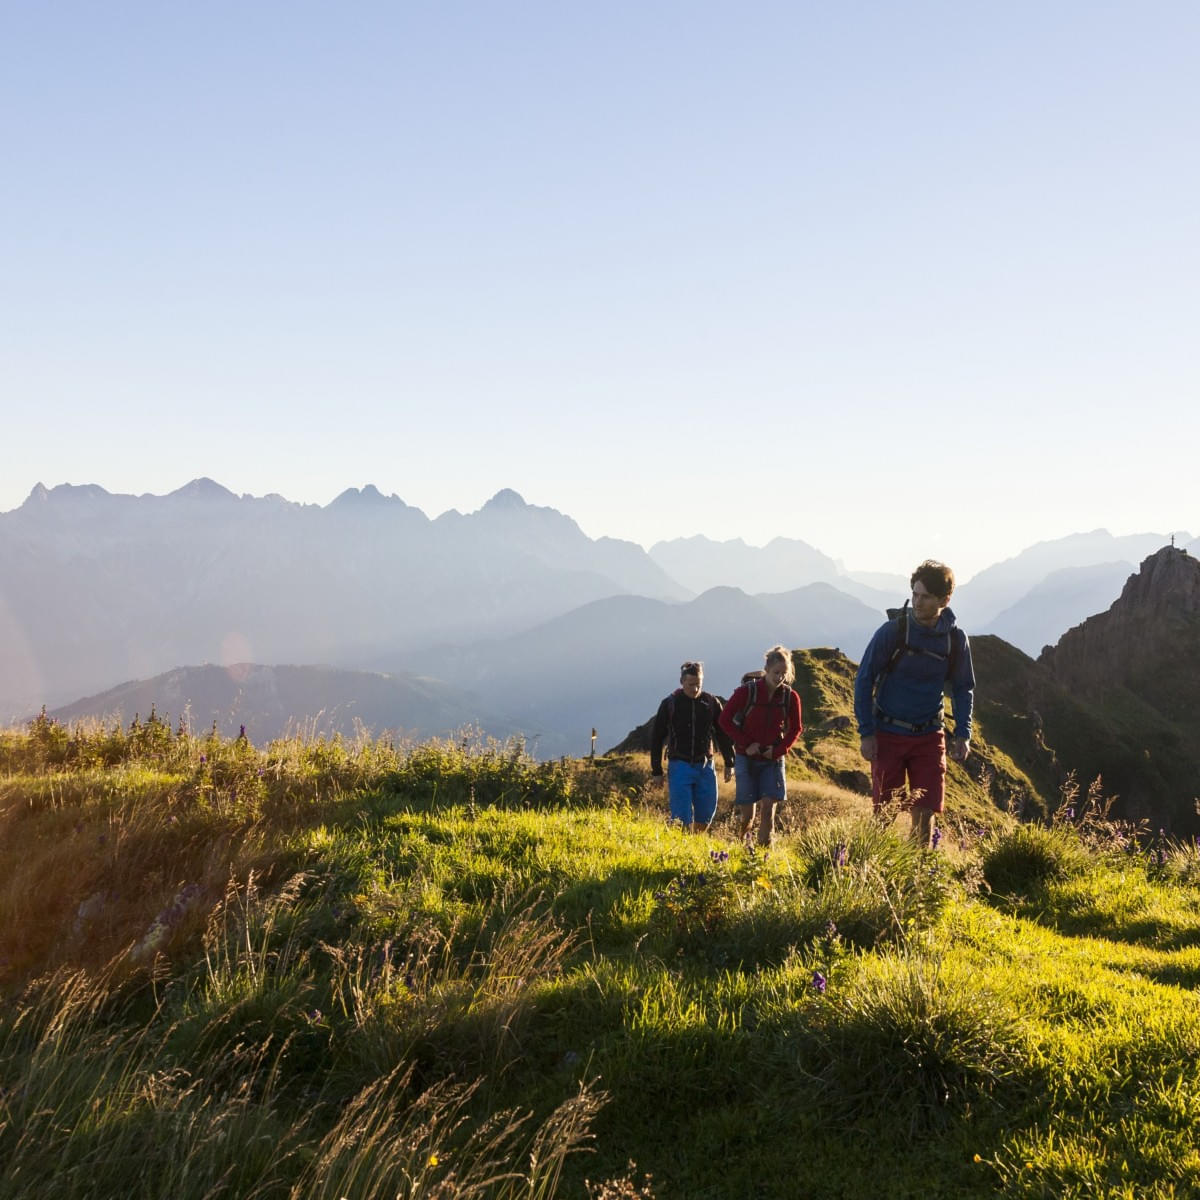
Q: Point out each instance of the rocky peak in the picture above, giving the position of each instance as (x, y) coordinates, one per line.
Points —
(203, 489)
(505, 500)
(369, 495)
(1167, 584)
(1150, 629)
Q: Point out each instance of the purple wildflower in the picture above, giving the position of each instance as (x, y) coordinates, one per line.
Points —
(818, 982)
(937, 838)
(841, 854)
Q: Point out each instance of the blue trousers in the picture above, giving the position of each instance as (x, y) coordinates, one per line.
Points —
(692, 788)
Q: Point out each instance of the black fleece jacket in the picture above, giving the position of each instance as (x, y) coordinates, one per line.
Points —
(689, 727)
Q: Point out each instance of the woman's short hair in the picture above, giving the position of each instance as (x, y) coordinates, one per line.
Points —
(936, 576)
(780, 654)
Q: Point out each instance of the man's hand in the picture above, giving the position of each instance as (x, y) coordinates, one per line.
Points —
(753, 750)
(960, 748)
(868, 748)
(728, 772)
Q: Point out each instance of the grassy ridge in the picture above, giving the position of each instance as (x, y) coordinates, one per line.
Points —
(360, 970)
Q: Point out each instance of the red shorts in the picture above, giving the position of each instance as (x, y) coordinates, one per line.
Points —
(920, 759)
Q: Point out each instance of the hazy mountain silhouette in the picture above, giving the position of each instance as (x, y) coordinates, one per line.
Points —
(781, 565)
(980, 601)
(272, 701)
(1060, 600)
(602, 664)
(99, 588)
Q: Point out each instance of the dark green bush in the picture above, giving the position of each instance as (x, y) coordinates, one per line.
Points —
(1027, 857)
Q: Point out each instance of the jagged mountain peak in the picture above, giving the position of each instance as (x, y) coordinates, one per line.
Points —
(512, 508)
(201, 489)
(1146, 634)
(368, 495)
(68, 492)
(505, 499)
(1168, 580)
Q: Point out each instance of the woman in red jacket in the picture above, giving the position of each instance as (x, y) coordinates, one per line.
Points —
(762, 718)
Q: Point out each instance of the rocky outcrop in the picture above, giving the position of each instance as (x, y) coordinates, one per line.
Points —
(1147, 641)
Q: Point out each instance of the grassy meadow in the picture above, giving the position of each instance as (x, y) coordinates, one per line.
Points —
(355, 969)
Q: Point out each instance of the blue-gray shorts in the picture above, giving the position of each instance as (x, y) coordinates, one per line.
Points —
(759, 779)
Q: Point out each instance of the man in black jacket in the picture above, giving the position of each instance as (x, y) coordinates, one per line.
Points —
(687, 722)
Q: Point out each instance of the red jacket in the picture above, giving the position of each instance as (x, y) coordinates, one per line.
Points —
(774, 723)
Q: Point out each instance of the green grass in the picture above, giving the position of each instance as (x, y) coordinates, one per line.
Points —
(361, 970)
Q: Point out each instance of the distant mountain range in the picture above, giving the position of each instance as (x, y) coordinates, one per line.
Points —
(272, 702)
(781, 565)
(98, 588)
(600, 665)
(524, 620)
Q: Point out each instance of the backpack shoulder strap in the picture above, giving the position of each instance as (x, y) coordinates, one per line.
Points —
(751, 687)
(956, 638)
(901, 619)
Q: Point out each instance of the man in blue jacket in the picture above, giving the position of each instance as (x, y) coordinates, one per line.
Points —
(906, 670)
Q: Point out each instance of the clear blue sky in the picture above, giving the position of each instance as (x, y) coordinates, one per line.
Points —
(895, 278)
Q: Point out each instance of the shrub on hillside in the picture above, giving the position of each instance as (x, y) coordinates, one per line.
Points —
(852, 876)
(443, 774)
(913, 1042)
(873, 882)
(1022, 859)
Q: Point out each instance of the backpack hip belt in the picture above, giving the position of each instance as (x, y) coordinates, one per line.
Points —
(934, 722)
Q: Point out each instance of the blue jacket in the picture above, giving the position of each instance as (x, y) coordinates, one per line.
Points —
(912, 691)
